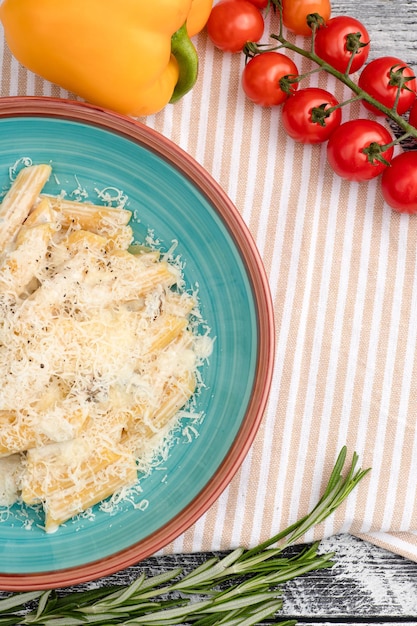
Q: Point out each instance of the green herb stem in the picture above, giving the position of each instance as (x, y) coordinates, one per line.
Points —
(240, 589)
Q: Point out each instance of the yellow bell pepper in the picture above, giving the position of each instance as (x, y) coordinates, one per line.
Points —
(130, 56)
(198, 16)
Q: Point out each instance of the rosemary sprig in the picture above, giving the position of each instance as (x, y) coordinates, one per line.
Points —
(239, 589)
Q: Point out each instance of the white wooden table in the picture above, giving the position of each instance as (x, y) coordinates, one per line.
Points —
(367, 585)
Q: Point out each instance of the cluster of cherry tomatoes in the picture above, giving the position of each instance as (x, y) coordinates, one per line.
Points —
(357, 150)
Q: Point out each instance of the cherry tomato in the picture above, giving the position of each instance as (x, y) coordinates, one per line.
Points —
(297, 114)
(294, 14)
(377, 79)
(259, 4)
(261, 78)
(333, 43)
(345, 149)
(399, 183)
(232, 23)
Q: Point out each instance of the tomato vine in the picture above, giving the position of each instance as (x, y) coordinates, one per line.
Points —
(338, 46)
(343, 77)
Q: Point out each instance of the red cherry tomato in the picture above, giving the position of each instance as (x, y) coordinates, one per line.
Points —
(333, 43)
(259, 4)
(378, 79)
(232, 23)
(345, 149)
(261, 78)
(294, 14)
(297, 115)
(399, 183)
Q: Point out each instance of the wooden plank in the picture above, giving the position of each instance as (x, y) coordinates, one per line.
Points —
(366, 585)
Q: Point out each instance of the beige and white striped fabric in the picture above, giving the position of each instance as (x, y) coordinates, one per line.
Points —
(343, 274)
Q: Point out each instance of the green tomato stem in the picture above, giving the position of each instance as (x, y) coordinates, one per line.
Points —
(346, 80)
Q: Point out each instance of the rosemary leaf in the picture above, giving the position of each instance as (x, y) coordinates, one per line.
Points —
(216, 571)
(174, 613)
(254, 617)
(78, 620)
(240, 601)
(43, 601)
(76, 600)
(18, 600)
(152, 587)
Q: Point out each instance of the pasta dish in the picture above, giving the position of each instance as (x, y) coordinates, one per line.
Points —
(97, 351)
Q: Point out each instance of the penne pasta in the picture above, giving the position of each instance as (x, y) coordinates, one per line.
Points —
(22, 264)
(70, 477)
(164, 330)
(179, 303)
(176, 396)
(78, 239)
(41, 214)
(97, 350)
(19, 200)
(10, 470)
(19, 433)
(89, 216)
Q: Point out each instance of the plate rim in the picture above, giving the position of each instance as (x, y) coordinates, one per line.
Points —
(134, 130)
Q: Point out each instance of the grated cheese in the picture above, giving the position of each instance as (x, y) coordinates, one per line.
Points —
(98, 353)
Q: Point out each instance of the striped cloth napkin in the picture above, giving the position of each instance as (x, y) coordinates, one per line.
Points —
(343, 274)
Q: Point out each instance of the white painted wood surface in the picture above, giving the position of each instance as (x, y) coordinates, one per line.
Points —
(366, 585)
(392, 25)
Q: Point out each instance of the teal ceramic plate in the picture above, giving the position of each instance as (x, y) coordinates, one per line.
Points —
(178, 200)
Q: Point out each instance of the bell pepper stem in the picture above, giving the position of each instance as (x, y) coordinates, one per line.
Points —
(186, 55)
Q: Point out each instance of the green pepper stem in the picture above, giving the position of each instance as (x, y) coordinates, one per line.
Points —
(186, 55)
